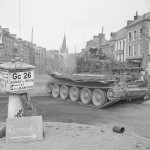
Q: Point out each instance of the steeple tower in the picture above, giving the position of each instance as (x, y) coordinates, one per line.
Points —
(64, 48)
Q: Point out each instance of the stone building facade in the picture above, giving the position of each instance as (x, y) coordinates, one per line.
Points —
(6, 45)
(120, 45)
(131, 43)
(44, 61)
(138, 41)
(40, 60)
(10, 47)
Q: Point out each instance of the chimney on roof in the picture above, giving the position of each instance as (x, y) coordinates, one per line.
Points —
(129, 22)
(136, 16)
(144, 17)
(101, 38)
(14, 35)
(19, 39)
(112, 35)
(6, 29)
(102, 30)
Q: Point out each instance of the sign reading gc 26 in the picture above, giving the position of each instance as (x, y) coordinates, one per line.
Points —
(26, 75)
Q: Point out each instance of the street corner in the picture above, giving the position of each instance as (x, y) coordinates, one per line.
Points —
(62, 136)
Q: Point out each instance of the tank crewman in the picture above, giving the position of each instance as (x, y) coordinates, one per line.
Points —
(142, 73)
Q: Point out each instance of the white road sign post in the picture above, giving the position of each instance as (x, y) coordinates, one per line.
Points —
(16, 79)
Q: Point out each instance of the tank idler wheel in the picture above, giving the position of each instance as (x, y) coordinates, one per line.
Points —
(86, 96)
(55, 91)
(74, 93)
(99, 97)
(49, 88)
(110, 94)
(64, 92)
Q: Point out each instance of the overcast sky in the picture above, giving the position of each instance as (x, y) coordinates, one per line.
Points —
(80, 20)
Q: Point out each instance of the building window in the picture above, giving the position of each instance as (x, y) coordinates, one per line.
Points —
(135, 50)
(123, 45)
(140, 49)
(135, 34)
(130, 36)
(121, 57)
(117, 45)
(0, 52)
(149, 48)
(118, 57)
(120, 45)
(0, 38)
(8, 44)
(141, 32)
(5, 44)
(129, 51)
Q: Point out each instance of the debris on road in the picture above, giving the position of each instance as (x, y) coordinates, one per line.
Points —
(118, 129)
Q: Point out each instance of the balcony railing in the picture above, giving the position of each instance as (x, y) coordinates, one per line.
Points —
(139, 57)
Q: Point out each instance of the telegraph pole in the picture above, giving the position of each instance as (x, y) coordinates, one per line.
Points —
(75, 48)
(19, 18)
(32, 36)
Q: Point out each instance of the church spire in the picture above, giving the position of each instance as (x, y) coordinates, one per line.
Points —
(64, 48)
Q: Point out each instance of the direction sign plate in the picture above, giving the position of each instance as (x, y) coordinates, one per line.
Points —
(4, 78)
(24, 129)
(22, 81)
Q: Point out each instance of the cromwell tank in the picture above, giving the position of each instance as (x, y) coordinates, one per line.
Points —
(96, 90)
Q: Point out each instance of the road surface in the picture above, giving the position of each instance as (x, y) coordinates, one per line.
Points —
(134, 117)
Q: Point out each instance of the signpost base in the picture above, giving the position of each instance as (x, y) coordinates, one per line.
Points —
(3, 132)
(15, 106)
(16, 78)
(15, 109)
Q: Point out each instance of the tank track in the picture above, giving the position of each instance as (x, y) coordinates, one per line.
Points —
(95, 94)
(88, 105)
(107, 103)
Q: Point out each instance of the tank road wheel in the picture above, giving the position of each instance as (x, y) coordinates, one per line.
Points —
(74, 93)
(55, 91)
(49, 88)
(64, 92)
(86, 96)
(110, 94)
(98, 98)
